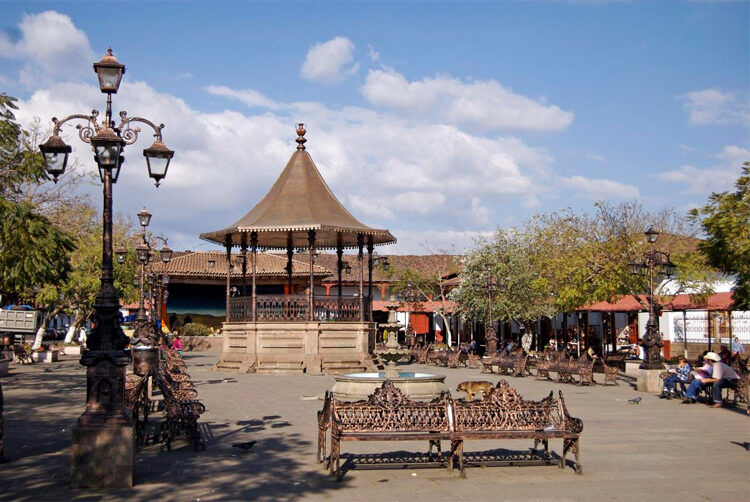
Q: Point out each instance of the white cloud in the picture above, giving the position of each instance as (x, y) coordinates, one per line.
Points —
(50, 46)
(599, 189)
(330, 61)
(482, 105)
(250, 97)
(715, 178)
(715, 107)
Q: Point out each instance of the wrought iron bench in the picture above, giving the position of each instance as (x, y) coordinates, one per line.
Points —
(504, 414)
(515, 363)
(137, 403)
(447, 357)
(387, 415)
(21, 355)
(181, 407)
(420, 354)
(565, 368)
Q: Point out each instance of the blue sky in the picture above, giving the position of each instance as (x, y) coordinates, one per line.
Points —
(437, 120)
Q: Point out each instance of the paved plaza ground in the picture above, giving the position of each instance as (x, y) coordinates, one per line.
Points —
(656, 450)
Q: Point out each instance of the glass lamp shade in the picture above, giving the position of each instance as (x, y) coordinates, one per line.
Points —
(652, 235)
(115, 172)
(166, 254)
(348, 269)
(158, 157)
(107, 147)
(144, 217)
(384, 263)
(121, 253)
(55, 153)
(669, 268)
(143, 252)
(109, 72)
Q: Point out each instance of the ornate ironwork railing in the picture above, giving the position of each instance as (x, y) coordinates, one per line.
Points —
(295, 308)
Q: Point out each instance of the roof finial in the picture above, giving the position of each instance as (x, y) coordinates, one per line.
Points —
(301, 137)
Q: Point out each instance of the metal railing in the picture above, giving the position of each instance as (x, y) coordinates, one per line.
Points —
(295, 308)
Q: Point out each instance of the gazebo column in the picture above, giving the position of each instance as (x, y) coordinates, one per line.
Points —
(340, 268)
(228, 245)
(254, 257)
(289, 253)
(243, 252)
(310, 296)
(360, 256)
(369, 277)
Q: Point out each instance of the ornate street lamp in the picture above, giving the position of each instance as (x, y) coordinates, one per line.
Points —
(102, 427)
(488, 285)
(654, 264)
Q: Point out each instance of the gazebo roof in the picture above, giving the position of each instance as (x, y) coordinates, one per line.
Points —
(298, 202)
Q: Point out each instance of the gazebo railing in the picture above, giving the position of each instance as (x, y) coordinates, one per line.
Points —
(295, 308)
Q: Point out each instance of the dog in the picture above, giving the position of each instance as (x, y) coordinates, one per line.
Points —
(472, 388)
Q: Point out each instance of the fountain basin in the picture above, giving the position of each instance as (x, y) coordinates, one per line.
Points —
(417, 386)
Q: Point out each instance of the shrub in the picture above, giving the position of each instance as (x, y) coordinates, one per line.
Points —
(195, 329)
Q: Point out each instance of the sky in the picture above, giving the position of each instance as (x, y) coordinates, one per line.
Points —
(440, 121)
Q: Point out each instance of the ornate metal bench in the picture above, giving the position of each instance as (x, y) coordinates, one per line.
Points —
(565, 368)
(387, 415)
(447, 357)
(504, 414)
(21, 355)
(181, 407)
(138, 403)
(516, 363)
(419, 354)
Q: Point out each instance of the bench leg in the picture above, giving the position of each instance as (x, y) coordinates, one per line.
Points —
(334, 460)
(321, 445)
(438, 447)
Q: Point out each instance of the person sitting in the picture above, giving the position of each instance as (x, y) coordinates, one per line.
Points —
(177, 343)
(722, 376)
(702, 373)
(725, 355)
(681, 375)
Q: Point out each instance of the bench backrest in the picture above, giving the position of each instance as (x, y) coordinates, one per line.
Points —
(504, 409)
(389, 410)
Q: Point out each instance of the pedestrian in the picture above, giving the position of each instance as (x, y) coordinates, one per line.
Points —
(187, 320)
(722, 376)
(737, 347)
(172, 320)
(177, 343)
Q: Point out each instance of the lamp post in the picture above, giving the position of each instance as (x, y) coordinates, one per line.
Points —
(488, 286)
(653, 263)
(410, 297)
(104, 431)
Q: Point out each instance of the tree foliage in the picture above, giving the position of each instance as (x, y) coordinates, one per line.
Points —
(33, 251)
(726, 222)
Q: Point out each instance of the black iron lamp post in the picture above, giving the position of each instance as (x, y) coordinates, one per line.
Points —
(654, 264)
(100, 434)
(489, 286)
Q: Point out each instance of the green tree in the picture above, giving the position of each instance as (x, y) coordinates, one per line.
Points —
(521, 293)
(726, 222)
(33, 251)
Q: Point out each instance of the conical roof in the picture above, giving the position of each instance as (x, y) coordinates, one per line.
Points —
(299, 201)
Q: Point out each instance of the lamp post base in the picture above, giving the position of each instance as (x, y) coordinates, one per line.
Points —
(102, 457)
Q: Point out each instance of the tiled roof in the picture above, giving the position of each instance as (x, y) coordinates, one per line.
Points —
(717, 301)
(196, 264)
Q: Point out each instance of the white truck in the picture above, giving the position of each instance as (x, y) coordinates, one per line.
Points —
(19, 323)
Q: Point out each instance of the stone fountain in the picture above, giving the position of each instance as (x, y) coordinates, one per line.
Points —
(419, 386)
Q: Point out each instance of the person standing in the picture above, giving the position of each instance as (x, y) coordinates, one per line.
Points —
(722, 376)
(737, 347)
(177, 343)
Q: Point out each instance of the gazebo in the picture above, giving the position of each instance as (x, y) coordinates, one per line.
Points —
(297, 332)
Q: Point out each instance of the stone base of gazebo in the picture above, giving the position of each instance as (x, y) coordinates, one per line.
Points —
(297, 347)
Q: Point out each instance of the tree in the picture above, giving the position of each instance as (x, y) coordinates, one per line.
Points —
(522, 293)
(33, 251)
(585, 257)
(726, 222)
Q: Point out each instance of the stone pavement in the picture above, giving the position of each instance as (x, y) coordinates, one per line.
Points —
(656, 450)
